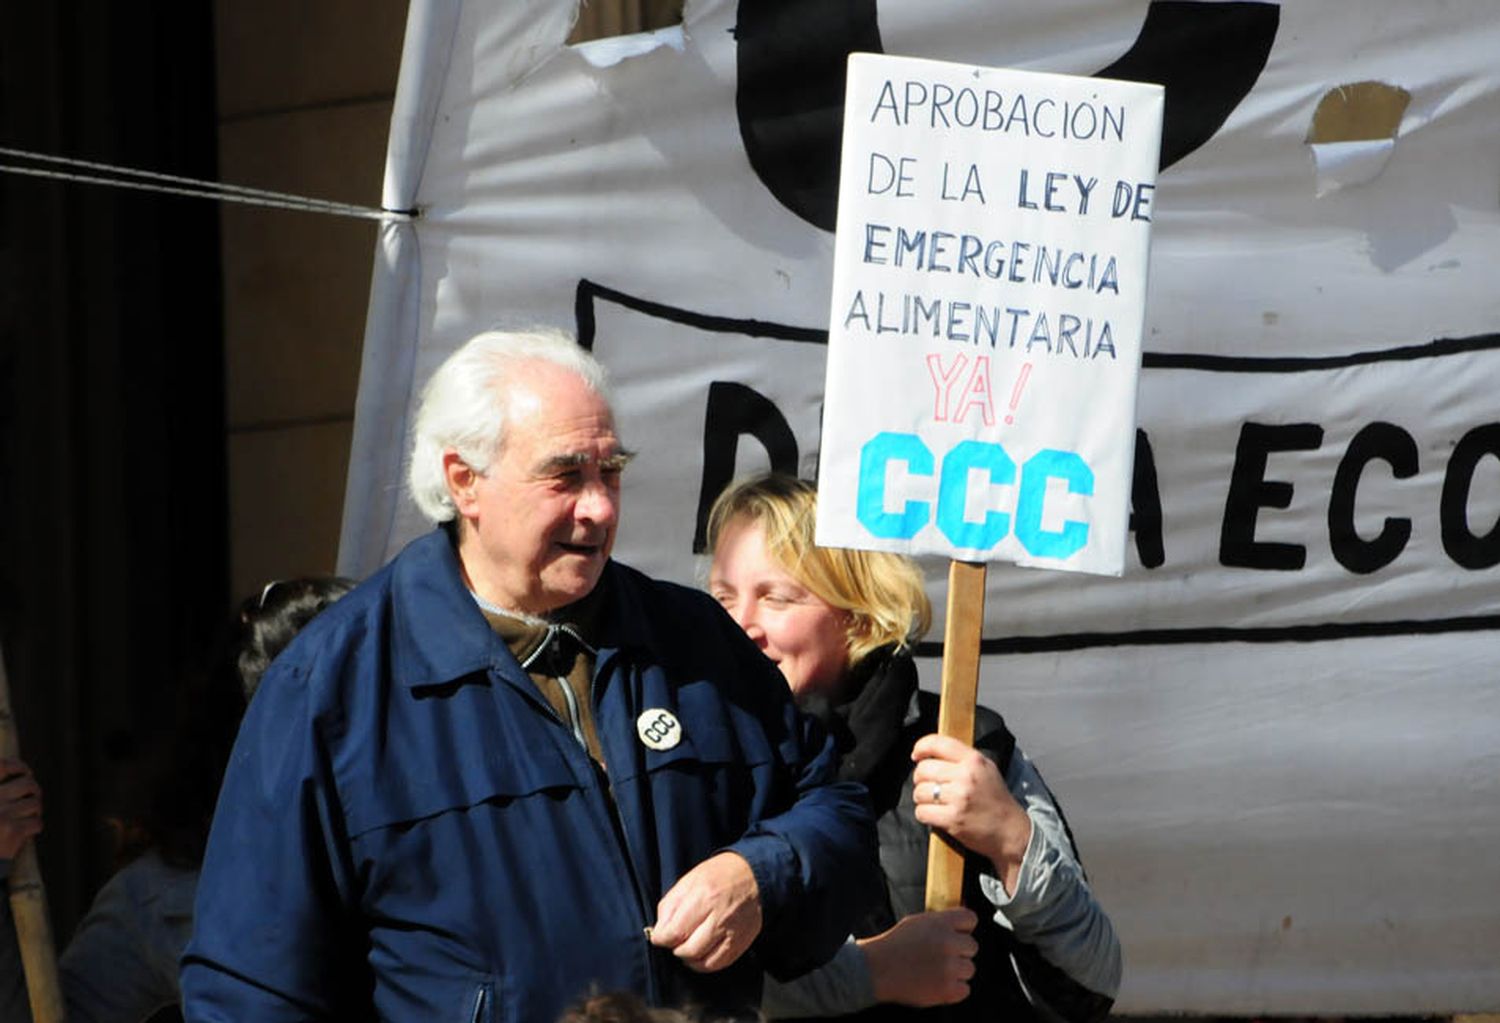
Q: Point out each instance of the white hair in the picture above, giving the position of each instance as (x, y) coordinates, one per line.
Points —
(464, 405)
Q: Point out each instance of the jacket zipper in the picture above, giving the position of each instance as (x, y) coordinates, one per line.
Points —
(617, 826)
(481, 1001)
(612, 823)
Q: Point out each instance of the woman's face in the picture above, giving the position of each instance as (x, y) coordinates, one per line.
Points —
(801, 632)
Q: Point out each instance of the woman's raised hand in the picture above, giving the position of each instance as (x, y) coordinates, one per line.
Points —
(960, 790)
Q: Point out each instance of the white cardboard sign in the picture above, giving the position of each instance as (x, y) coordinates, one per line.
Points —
(988, 298)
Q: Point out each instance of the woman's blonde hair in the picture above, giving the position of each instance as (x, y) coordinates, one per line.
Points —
(881, 592)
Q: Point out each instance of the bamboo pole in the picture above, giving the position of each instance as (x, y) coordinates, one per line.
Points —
(962, 631)
(28, 898)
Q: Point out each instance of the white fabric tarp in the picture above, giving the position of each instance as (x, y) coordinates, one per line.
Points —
(1277, 736)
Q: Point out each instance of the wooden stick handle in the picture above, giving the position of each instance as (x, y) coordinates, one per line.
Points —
(961, 636)
(28, 907)
(28, 899)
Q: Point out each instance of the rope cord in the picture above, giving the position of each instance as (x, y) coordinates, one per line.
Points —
(119, 177)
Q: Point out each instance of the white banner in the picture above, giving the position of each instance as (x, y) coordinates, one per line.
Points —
(1277, 735)
(992, 225)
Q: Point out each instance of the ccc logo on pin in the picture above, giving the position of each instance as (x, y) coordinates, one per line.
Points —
(658, 729)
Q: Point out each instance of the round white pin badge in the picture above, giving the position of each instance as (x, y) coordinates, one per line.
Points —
(658, 729)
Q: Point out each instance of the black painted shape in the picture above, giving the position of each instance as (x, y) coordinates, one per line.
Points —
(1394, 446)
(790, 94)
(1250, 491)
(589, 291)
(1439, 348)
(733, 411)
(1464, 546)
(587, 324)
(1313, 632)
(1207, 55)
(1145, 505)
(791, 81)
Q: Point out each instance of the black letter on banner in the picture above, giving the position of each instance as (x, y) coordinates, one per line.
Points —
(791, 57)
(1466, 549)
(734, 409)
(1208, 56)
(1250, 491)
(1145, 505)
(1395, 446)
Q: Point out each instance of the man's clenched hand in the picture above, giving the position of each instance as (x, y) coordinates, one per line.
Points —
(711, 915)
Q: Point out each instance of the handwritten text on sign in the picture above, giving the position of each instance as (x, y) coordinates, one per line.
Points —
(985, 327)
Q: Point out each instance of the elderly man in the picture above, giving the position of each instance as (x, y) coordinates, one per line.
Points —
(507, 770)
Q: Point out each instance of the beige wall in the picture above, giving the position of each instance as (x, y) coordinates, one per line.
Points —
(304, 91)
(601, 18)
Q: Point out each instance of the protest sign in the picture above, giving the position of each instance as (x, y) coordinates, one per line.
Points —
(989, 290)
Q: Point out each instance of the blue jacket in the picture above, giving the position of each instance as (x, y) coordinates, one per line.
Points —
(407, 831)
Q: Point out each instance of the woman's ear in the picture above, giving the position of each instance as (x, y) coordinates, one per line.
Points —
(856, 624)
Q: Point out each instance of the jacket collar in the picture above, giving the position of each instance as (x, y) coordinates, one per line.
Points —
(439, 634)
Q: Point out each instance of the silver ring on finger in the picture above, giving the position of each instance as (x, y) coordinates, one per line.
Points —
(937, 792)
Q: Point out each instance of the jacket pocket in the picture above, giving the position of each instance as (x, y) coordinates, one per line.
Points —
(455, 777)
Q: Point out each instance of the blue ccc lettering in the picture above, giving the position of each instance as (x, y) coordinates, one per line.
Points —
(958, 465)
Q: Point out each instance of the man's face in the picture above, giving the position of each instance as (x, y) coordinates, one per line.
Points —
(540, 523)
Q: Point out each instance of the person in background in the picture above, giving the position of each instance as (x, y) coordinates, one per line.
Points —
(20, 821)
(508, 767)
(20, 807)
(121, 964)
(1030, 942)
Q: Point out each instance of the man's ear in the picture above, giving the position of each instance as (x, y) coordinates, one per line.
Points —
(462, 481)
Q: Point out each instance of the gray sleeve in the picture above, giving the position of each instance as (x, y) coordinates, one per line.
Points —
(1052, 908)
(841, 985)
(117, 968)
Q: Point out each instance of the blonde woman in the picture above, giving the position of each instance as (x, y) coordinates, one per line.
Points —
(1030, 942)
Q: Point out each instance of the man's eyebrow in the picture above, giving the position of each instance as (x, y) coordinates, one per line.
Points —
(578, 459)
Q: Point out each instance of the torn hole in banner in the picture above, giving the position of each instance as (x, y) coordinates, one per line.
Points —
(609, 51)
(1353, 133)
(605, 34)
